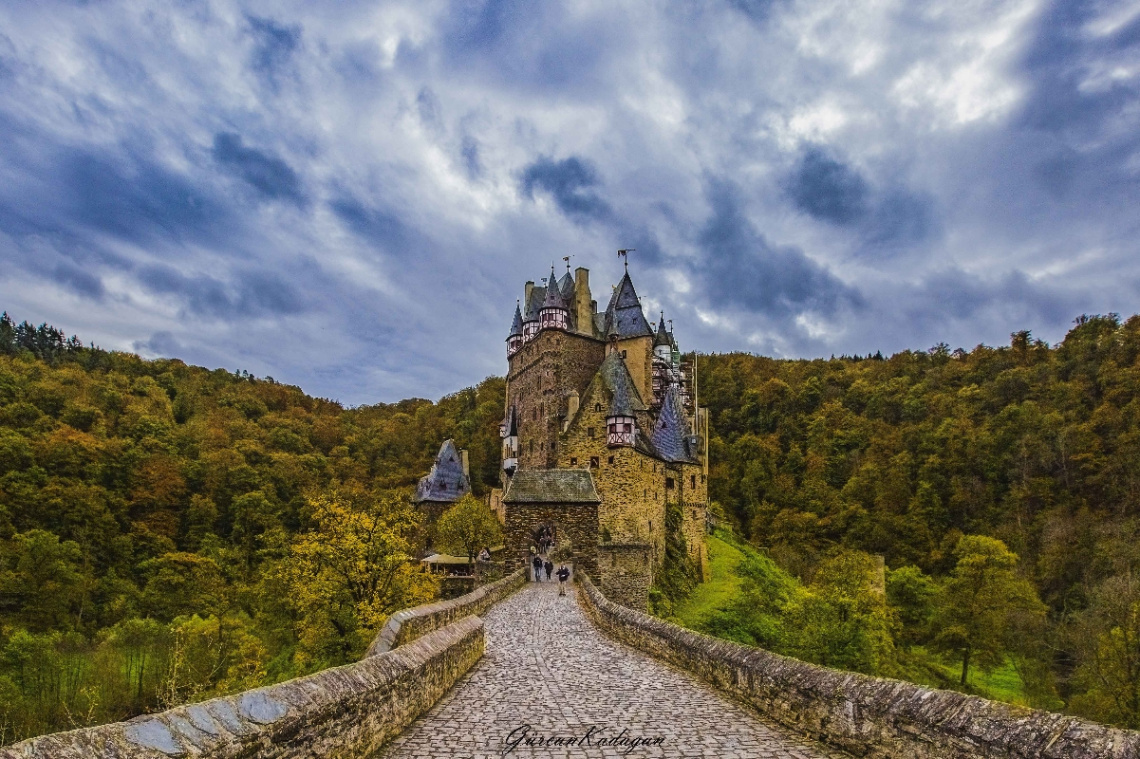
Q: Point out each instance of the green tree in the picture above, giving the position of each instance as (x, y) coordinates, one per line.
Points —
(1106, 638)
(841, 619)
(468, 527)
(978, 601)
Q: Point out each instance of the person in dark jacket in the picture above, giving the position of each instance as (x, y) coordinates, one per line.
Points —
(537, 564)
(563, 576)
(549, 567)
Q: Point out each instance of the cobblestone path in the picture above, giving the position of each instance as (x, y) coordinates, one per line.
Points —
(549, 672)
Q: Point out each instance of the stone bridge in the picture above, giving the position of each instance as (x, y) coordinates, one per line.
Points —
(515, 670)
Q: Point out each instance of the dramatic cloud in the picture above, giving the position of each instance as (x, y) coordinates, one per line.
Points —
(349, 196)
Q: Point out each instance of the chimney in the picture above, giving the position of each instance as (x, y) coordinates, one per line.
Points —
(583, 306)
(526, 296)
(466, 463)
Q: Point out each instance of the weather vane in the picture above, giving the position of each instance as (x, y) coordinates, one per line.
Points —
(567, 260)
(624, 253)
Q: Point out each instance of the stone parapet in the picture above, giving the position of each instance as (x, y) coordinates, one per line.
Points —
(409, 624)
(868, 716)
(345, 711)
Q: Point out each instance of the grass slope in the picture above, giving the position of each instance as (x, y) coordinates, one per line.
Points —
(711, 605)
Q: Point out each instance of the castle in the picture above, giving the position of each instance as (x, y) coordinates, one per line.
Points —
(603, 441)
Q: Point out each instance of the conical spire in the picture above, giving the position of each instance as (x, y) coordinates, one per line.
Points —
(553, 296)
(517, 324)
(663, 336)
(624, 315)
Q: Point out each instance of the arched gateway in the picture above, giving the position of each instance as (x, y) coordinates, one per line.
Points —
(564, 500)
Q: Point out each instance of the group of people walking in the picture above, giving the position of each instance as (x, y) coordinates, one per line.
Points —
(546, 566)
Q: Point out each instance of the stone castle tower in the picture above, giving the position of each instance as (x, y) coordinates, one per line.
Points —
(603, 442)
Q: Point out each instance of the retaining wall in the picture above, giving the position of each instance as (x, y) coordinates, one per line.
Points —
(868, 716)
(408, 624)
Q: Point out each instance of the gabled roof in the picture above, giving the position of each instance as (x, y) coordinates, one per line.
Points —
(551, 486)
(516, 325)
(624, 316)
(446, 482)
(670, 430)
(615, 377)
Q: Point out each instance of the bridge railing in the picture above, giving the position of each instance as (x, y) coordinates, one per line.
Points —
(344, 711)
(869, 716)
(409, 624)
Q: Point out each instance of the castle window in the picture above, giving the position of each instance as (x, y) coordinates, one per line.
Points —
(573, 461)
(623, 354)
(532, 446)
(590, 432)
(693, 481)
(597, 407)
(594, 462)
(542, 446)
(611, 461)
(651, 525)
(669, 484)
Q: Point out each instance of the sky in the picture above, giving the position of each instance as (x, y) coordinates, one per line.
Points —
(349, 196)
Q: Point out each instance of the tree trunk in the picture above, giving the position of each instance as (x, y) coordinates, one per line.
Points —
(965, 666)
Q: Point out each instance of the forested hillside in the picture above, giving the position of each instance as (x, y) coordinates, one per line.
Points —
(1034, 446)
(169, 532)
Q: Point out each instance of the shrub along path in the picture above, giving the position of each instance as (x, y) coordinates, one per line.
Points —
(548, 674)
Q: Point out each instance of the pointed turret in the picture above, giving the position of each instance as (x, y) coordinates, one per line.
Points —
(663, 342)
(509, 430)
(621, 425)
(532, 304)
(515, 338)
(554, 312)
(624, 315)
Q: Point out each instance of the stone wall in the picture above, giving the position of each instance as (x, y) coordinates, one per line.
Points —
(409, 624)
(542, 373)
(576, 522)
(346, 711)
(625, 573)
(868, 716)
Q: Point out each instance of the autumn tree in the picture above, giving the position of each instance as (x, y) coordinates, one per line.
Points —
(353, 568)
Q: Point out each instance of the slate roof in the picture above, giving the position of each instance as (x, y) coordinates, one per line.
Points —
(624, 315)
(511, 423)
(553, 296)
(670, 430)
(534, 304)
(446, 481)
(516, 325)
(551, 486)
(566, 285)
(663, 336)
(624, 398)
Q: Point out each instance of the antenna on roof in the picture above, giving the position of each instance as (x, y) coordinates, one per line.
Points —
(624, 253)
(670, 325)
